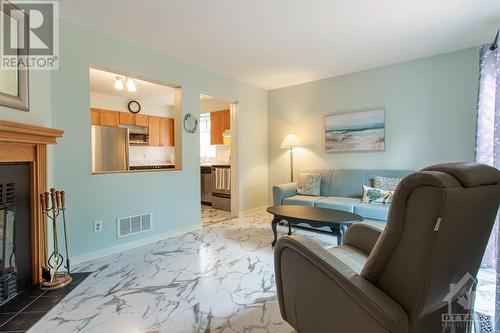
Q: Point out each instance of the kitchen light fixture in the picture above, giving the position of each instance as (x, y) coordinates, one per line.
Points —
(131, 85)
(119, 83)
(291, 141)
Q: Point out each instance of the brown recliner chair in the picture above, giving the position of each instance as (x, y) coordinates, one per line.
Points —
(398, 279)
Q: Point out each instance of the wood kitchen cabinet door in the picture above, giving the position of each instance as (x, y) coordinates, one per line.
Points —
(108, 118)
(95, 115)
(226, 120)
(126, 118)
(141, 120)
(154, 131)
(219, 122)
(167, 132)
(216, 128)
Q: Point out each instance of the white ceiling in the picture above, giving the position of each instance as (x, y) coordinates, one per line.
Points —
(103, 82)
(276, 43)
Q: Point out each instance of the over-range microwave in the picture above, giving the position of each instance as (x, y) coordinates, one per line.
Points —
(137, 135)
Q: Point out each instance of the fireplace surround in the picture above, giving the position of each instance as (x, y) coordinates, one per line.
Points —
(27, 144)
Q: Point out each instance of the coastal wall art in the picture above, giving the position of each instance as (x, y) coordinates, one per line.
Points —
(355, 131)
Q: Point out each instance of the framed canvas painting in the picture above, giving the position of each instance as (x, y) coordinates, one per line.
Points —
(355, 131)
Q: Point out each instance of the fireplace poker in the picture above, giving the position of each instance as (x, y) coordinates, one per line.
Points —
(63, 208)
(54, 224)
(45, 268)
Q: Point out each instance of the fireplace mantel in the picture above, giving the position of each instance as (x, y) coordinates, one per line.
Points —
(23, 133)
(28, 143)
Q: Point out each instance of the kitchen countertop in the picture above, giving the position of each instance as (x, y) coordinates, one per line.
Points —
(152, 166)
(208, 165)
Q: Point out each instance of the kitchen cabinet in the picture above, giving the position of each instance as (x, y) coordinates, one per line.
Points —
(95, 115)
(226, 120)
(141, 120)
(126, 118)
(215, 128)
(161, 130)
(154, 130)
(219, 122)
(108, 118)
(167, 132)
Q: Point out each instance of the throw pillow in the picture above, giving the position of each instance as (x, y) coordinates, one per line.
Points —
(309, 184)
(386, 183)
(376, 195)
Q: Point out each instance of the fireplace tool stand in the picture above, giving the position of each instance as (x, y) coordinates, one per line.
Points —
(54, 277)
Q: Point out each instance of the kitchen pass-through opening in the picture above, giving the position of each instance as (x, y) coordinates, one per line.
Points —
(134, 123)
(217, 159)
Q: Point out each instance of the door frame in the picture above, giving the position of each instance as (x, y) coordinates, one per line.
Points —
(235, 187)
(235, 158)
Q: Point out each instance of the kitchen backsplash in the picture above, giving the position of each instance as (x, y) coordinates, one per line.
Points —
(222, 155)
(145, 155)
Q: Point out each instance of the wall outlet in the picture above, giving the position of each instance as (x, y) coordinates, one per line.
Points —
(97, 226)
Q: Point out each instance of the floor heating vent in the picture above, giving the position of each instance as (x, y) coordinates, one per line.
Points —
(131, 225)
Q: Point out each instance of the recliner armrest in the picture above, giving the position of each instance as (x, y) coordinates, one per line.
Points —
(319, 293)
(363, 235)
(283, 191)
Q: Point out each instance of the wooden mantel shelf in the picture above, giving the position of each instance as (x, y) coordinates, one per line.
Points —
(22, 133)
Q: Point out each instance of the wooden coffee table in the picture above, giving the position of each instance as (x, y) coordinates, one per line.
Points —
(338, 221)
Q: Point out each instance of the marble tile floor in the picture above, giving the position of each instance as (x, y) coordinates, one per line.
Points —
(211, 215)
(217, 279)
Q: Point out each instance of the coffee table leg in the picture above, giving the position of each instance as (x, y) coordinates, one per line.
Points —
(274, 225)
(338, 230)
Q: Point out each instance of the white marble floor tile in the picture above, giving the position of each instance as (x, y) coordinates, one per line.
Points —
(218, 279)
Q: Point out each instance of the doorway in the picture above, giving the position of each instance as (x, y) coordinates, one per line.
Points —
(218, 149)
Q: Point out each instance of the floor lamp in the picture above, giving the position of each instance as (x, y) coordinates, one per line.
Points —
(289, 142)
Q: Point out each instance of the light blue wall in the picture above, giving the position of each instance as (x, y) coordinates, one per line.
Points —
(430, 107)
(173, 197)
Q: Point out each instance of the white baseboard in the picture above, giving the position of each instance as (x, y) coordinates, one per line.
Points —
(251, 211)
(130, 245)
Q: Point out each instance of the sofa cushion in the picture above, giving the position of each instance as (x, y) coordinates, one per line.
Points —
(376, 195)
(340, 203)
(326, 178)
(370, 176)
(301, 200)
(309, 184)
(347, 183)
(372, 211)
(386, 183)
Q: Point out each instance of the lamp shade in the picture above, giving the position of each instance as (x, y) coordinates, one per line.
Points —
(290, 141)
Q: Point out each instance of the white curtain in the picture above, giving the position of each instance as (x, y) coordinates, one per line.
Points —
(488, 152)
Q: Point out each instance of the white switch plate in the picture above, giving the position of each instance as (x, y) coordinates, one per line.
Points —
(97, 226)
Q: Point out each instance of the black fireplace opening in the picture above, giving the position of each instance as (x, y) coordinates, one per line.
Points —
(15, 230)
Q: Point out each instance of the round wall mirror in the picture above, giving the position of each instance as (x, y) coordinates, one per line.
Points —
(190, 123)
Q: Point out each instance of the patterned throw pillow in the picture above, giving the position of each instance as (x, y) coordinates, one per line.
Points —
(309, 184)
(386, 183)
(376, 195)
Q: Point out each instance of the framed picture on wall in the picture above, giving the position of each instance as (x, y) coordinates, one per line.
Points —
(14, 79)
(355, 131)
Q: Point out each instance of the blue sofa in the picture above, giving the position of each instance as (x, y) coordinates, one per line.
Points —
(341, 189)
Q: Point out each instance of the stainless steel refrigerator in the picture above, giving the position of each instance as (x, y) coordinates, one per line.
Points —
(110, 149)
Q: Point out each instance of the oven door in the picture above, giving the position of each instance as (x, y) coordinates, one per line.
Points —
(221, 181)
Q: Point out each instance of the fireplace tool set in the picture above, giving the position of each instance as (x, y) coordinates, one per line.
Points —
(54, 277)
